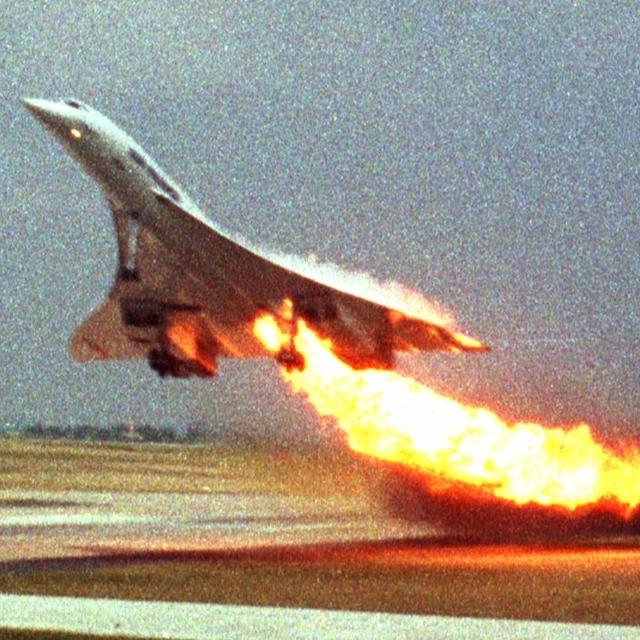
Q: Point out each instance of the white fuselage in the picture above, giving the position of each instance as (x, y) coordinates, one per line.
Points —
(125, 172)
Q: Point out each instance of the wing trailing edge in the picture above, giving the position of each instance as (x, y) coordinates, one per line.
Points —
(103, 336)
(413, 334)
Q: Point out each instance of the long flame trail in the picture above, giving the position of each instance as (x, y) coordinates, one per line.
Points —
(394, 418)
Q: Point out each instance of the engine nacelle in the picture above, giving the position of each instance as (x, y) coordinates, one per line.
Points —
(166, 364)
(182, 341)
(346, 325)
(188, 346)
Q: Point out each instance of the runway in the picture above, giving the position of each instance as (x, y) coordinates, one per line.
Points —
(338, 552)
(76, 524)
(284, 553)
(188, 621)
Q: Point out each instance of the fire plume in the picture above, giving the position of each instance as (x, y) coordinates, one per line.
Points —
(395, 418)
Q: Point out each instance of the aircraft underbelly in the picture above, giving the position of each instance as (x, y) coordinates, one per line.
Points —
(168, 277)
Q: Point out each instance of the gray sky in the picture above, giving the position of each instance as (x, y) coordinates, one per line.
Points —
(486, 156)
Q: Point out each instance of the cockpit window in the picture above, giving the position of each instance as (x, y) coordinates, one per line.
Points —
(75, 104)
(155, 176)
(163, 184)
(137, 158)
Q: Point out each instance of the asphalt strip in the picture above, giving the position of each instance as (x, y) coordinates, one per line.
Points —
(183, 620)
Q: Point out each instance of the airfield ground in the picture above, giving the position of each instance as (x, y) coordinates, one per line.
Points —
(593, 584)
(580, 581)
(66, 465)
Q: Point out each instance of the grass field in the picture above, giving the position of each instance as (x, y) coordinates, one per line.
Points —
(10, 634)
(60, 465)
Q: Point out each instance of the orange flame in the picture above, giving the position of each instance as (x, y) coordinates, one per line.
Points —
(392, 417)
(186, 333)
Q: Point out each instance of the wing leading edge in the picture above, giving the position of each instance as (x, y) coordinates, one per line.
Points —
(339, 315)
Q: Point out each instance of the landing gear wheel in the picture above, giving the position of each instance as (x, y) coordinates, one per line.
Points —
(290, 359)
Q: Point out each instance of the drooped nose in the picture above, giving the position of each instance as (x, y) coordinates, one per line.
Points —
(43, 110)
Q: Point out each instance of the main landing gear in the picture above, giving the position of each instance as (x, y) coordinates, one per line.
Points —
(291, 359)
(288, 356)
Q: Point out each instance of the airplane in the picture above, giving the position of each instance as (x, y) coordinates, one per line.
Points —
(186, 293)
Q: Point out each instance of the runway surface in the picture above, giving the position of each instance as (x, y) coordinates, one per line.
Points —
(188, 621)
(294, 551)
(76, 524)
(299, 551)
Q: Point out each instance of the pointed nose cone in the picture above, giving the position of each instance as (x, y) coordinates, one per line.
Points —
(35, 105)
(43, 110)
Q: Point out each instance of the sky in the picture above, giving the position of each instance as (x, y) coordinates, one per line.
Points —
(483, 154)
